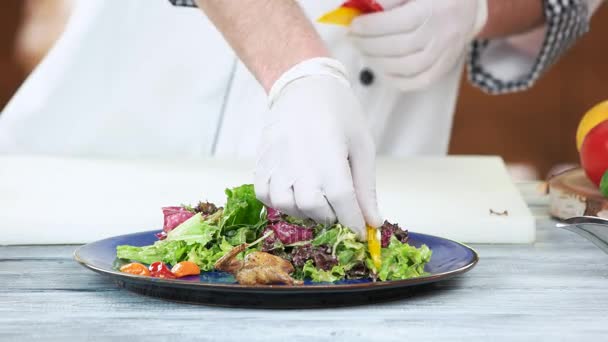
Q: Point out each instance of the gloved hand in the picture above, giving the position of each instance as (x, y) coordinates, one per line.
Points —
(317, 157)
(416, 42)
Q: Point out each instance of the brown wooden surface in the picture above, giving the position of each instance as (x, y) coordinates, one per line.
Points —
(11, 75)
(572, 194)
(538, 126)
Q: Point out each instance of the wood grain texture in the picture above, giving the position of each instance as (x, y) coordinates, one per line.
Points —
(12, 75)
(552, 290)
(537, 126)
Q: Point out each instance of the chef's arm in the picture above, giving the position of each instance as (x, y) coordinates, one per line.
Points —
(260, 31)
(508, 17)
(307, 91)
(523, 39)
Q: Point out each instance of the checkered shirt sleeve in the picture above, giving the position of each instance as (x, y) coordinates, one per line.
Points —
(183, 3)
(566, 20)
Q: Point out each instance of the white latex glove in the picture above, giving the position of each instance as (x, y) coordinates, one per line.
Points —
(416, 42)
(317, 157)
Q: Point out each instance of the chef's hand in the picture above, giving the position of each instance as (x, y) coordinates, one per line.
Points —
(317, 157)
(416, 42)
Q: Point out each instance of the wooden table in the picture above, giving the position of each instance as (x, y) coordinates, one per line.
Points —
(554, 290)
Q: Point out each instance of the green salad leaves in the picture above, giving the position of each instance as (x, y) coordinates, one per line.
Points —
(242, 207)
(402, 261)
(320, 253)
(204, 239)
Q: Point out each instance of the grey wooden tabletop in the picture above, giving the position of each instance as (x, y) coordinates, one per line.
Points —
(556, 289)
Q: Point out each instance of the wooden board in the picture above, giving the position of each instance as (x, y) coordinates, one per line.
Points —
(573, 194)
(558, 284)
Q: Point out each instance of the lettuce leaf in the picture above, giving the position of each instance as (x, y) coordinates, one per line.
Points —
(194, 230)
(170, 252)
(604, 184)
(188, 241)
(242, 207)
(326, 237)
(345, 250)
(351, 252)
(399, 260)
(241, 235)
(340, 238)
(402, 261)
(205, 258)
(309, 271)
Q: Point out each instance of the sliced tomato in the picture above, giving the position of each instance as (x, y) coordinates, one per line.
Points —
(160, 270)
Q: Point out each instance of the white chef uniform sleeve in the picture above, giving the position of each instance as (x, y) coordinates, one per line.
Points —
(512, 64)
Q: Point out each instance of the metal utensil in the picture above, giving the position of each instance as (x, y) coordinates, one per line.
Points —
(594, 229)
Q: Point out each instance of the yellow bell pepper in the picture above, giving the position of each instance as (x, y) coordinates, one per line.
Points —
(341, 16)
(374, 246)
(349, 10)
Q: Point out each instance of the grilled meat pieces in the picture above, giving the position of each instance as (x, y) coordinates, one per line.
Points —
(257, 268)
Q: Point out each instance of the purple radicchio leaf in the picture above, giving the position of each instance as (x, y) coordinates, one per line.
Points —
(273, 215)
(271, 243)
(301, 254)
(285, 233)
(289, 233)
(321, 256)
(174, 216)
(388, 229)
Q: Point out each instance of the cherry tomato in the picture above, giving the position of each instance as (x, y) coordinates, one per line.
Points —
(135, 268)
(160, 270)
(594, 152)
(185, 268)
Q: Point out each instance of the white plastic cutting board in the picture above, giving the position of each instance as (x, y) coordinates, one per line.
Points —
(52, 200)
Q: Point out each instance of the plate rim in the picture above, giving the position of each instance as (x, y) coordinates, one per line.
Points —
(377, 285)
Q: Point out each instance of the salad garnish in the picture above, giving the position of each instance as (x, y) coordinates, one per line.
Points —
(261, 245)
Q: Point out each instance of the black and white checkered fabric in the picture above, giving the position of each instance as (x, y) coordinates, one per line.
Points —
(566, 20)
(184, 3)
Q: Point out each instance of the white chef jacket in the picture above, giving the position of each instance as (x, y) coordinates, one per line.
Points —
(144, 79)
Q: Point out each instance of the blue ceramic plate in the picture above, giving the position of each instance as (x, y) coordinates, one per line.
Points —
(216, 288)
